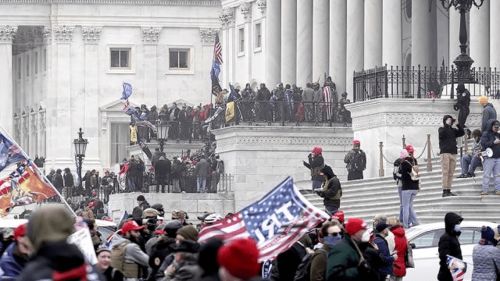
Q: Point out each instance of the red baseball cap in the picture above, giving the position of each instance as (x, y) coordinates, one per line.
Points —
(339, 215)
(410, 148)
(356, 142)
(317, 150)
(354, 225)
(129, 226)
(20, 231)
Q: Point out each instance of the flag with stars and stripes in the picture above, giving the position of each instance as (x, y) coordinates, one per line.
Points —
(275, 222)
(457, 268)
(216, 63)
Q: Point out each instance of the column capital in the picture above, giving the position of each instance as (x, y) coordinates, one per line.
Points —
(7, 33)
(227, 17)
(261, 5)
(246, 10)
(91, 34)
(150, 35)
(59, 33)
(207, 35)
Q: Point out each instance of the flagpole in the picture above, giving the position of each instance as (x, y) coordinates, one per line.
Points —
(37, 169)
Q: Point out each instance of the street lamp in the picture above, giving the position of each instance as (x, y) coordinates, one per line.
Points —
(162, 133)
(463, 61)
(80, 146)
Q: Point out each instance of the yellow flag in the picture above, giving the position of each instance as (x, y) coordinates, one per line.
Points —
(229, 111)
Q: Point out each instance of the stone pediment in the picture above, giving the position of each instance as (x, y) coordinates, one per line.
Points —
(114, 106)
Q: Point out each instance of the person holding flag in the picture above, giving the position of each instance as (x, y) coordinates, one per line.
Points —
(449, 245)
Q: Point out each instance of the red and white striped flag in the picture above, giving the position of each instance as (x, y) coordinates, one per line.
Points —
(327, 102)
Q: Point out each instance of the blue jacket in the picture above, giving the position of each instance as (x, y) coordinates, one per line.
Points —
(489, 113)
(486, 259)
(488, 138)
(10, 265)
(385, 255)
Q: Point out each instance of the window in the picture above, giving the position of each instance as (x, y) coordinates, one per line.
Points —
(35, 60)
(178, 58)
(258, 36)
(27, 65)
(44, 60)
(241, 40)
(470, 236)
(428, 239)
(120, 57)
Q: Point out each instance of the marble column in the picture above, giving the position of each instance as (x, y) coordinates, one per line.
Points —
(338, 34)
(391, 33)
(150, 36)
(373, 34)
(288, 41)
(246, 12)
(321, 34)
(7, 34)
(453, 32)
(355, 41)
(480, 35)
(423, 35)
(494, 34)
(304, 42)
(273, 43)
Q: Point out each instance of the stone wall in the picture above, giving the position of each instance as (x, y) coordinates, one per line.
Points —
(193, 203)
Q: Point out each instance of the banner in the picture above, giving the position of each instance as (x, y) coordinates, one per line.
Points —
(229, 111)
(10, 153)
(82, 239)
(275, 222)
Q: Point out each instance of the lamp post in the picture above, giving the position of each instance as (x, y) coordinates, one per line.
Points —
(162, 133)
(463, 61)
(80, 146)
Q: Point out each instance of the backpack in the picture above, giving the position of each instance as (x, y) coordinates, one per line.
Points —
(414, 171)
(303, 272)
(396, 172)
(118, 256)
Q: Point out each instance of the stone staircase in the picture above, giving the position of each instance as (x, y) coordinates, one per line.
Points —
(366, 198)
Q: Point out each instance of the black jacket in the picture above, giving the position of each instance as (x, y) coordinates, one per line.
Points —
(332, 190)
(448, 137)
(405, 170)
(68, 180)
(315, 164)
(162, 168)
(287, 262)
(57, 257)
(488, 138)
(448, 245)
(58, 181)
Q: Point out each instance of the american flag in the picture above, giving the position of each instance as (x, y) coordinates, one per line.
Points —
(217, 50)
(216, 63)
(457, 268)
(276, 221)
(327, 99)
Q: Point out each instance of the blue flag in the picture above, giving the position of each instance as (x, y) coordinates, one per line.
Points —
(9, 152)
(127, 91)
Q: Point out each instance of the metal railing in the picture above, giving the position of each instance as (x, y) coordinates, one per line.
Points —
(420, 82)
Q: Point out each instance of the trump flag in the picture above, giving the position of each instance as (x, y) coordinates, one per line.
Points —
(275, 222)
(457, 268)
(10, 153)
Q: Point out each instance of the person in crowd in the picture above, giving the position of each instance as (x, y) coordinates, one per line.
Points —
(491, 164)
(185, 266)
(315, 163)
(197, 120)
(58, 180)
(207, 259)
(239, 260)
(287, 262)
(156, 156)
(317, 99)
(344, 114)
(472, 159)
(217, 168)
(133, 133)
(396, 174)
(161, 249)
(334, 100)
(409, 188)
(50, 176)
(400, 248)
(39, 161)
(173, 113)
(448, 152)
(183, 123)
(104, 265)
(162, 170)
(261, 103)
(152, 118)
(383, 248)
(126, 255)
(201, 170)
(142, 205)
(449, 245)
(69, 183)
(345, 260)
(331, 191)
(187, 232)
(462, 104)
(48, 230)
(330, 234)
(356, 161)
(307, 97)
(488, 114)
(486, 257)
(16, 255)
(379, 219)
(176, 175)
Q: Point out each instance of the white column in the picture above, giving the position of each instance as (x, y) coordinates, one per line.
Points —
(495, 34)
(355, 41)
(480, 35)
(6, 90)
(391, 33)
(338, 33)
(273, 43)
(288, 41)
(321, 26)
(454, 31)
(373, 34)
(150, 36)
(423, 31)
(304, 42)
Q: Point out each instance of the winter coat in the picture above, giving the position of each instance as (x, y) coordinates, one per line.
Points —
(343, 261)
(489, 113)
(399, 265)
(486, 260)
(332, 190)
(10, 264)
(58, 258)
(448, 245)
(186, 270)
(405, 169)
(319, 263)
(202, 168)
(315, 164)
(288, 262)
(162, 169)
(448, 137)
(355, 160)
(385, 255)
(68, 180)
(488, 138)
(58, 181)
(112, 274)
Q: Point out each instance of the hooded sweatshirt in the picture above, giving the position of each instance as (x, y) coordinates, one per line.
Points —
(332, 191)
(448, 137)
(489, 113)
(401, 244)
(488, 138)
(449, 245)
